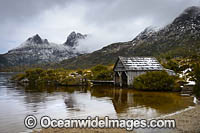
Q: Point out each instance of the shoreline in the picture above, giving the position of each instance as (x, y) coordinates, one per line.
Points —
(187, 120)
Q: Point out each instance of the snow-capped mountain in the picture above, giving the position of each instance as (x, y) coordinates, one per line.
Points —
(73, 38)
(36, 50)
(187, 23)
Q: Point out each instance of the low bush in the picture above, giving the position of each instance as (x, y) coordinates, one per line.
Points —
(101, 72)
(156, 80)
(19, 77)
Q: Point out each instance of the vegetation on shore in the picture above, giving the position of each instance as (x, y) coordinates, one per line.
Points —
(187, 69)
(64, 77)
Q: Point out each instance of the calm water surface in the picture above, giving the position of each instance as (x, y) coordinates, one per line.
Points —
(16, 102)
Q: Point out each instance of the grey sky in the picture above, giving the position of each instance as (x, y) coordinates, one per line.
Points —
(107, 21)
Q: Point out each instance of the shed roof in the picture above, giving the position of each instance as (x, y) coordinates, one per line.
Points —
(140, 63)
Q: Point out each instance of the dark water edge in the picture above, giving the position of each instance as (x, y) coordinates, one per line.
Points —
(16, 102)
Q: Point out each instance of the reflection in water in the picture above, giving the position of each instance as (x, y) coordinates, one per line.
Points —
(70, 102)
(129, 102)
(78, 102)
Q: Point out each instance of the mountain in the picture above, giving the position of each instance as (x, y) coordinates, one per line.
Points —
(73, 38)
(179, 38)
(36, 50)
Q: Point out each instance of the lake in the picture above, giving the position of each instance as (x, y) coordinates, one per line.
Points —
(16, 102)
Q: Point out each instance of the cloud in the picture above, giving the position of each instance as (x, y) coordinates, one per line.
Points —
(23, 9)
(160, 11)
(106, 21)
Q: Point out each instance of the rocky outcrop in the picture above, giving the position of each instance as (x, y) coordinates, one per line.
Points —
(73, 38)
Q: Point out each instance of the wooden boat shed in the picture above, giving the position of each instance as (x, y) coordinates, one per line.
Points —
(127, 68)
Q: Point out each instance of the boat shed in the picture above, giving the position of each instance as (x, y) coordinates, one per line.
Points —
(127, 68)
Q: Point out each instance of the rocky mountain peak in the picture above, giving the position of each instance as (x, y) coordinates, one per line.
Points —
(148, 32)
(193, 10)
(186, 24)
(189, 15)
(73, 38)
(36, 39)
(46, 41)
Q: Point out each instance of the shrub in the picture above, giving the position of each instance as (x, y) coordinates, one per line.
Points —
(101, 72)
(103, 75)
(80, 72)
(196, 77)
(98, 68)
(173, 65)
(34, 74)
(87, 75)
(19, 77)
(71, 81)
(156, 80)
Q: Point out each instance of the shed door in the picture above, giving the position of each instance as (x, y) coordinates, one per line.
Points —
(124, 79)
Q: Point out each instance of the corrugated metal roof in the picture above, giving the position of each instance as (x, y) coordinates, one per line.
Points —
(141, 63)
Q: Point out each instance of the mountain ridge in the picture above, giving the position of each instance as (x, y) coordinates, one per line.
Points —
(36, 50)
(179, 38)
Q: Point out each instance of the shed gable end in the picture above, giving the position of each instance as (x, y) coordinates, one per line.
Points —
(119, 66)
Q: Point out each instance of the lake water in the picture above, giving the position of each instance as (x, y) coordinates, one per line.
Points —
(16, 102)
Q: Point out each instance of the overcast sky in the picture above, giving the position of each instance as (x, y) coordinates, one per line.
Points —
(107, 21)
